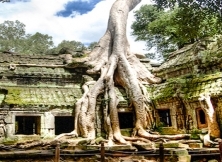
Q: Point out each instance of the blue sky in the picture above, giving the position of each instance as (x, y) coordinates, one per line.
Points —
(79, 20)
(80, 7)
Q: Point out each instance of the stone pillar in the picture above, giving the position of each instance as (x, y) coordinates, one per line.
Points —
(173, 110)
(48, 125)
(99, 120)
(10, 124)
(192, 111)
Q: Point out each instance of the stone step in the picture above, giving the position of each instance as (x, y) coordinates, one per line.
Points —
(195, 145)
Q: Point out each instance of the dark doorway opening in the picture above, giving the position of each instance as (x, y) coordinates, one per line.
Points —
(27, 125)
(64, 124)
(201, 118)
(164, 116)
(126, 120)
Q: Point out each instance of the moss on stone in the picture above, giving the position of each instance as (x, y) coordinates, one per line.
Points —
(126, 132)
(171, 145)
(171, 131)
(9, 141)
(187, 87)
(179, 152)
(33, 96)
(13, 96)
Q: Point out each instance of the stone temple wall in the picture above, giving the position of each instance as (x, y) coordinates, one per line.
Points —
(42, 90)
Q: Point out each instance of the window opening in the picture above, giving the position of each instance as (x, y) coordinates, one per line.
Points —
(164, 117)
(64, 124)
(125, 120)
(27, 125)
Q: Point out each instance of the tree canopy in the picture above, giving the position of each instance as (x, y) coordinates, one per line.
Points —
(12, 35)
(92, 45)
(73, 45)
(212, 6)
(37, 43)
(172, 28)
(13, 38)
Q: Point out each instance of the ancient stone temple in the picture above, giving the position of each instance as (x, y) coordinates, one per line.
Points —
(189, 73)
(38, 92)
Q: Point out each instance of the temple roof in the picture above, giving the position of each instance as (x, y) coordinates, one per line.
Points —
(42, 96)
(188, 88)
(8, 58)
(191, 71)
(198, 58)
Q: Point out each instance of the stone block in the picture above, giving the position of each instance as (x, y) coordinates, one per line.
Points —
(143, 146)
(28, 137)
(171, 131)
(186, 158)
(174, 145)
(121, 147)
(112, 148)
(179, 152)
(213, 160)
(195, 145)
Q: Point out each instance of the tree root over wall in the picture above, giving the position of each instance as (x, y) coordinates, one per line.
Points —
(112, 59)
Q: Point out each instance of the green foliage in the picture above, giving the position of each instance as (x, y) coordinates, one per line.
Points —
(73, 45)
(159, 127)
(195, 134)
(37, 43)
(14, 38)
(169, 30)
(9, 141)
(92, 45)
(212, 6)
(12, 35)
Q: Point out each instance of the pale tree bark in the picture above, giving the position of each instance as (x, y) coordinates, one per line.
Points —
(112, 59)
(207, 106)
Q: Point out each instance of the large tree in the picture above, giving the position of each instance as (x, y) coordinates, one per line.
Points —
(73, 45)
(213, 127)
(112, 59)
(65, 47)
(12, 35)
(13, 38)
(37, 44)
(169, 30)
(212, 6)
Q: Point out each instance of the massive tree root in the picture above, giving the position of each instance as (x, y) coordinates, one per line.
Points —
(112, 59)
(213, 127)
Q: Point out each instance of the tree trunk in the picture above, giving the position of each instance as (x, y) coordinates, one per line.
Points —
(213, 127)
(115, 63)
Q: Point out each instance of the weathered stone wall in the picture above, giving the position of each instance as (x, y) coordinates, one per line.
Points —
(44, 85)
(184, 115)
(219, 112)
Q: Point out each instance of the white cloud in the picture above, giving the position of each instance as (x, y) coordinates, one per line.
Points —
(39, 16)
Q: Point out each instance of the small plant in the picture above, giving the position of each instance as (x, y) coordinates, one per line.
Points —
(159, 127)
(195, 134)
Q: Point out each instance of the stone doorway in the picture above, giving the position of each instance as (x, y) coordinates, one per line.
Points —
(27, 125)
(64, 124)
(126, 120)
(201, 118)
